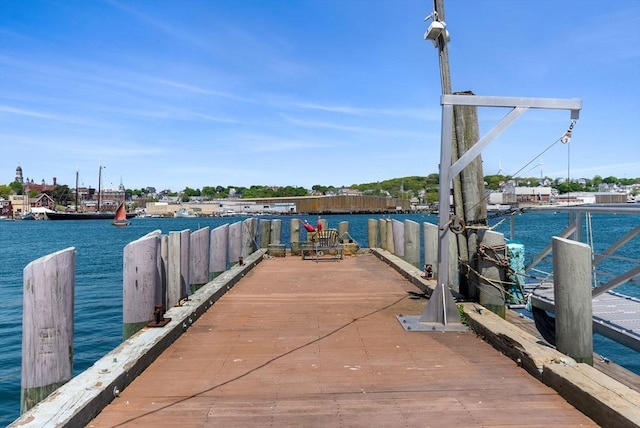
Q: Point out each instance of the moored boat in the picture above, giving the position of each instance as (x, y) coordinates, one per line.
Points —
(105, 215)
(184, 213)
(120, 219)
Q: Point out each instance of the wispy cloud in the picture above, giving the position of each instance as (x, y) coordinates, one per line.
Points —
(161, 25)
(370, 130)
(423, 114)
(203, 91)
(40, 115)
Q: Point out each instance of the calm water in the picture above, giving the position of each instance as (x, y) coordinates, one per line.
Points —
(98, 296)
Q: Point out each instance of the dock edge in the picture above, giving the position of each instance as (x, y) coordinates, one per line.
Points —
(78, 401)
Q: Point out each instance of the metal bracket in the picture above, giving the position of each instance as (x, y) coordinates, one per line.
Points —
(441, 314)
(158, 317)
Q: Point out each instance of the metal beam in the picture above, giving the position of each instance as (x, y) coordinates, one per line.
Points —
(620, 279)
(431, 318)
(573, 104)
(477, 148)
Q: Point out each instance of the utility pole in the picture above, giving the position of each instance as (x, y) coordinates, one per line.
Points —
(468, 187)
(445, 81)
(443, 52)
(441, 314)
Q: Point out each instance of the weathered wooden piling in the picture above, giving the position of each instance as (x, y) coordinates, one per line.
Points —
(276, 232)
(492, 260)
(295, 236)
(198, 259)
(389, 237)
(275, 248)
(164, 270)
(398, 237)
(47, 326)
(372, 233)
(141, 282)
(264, 228)
(343, 232)
(382, 223)
(249, 237)
(412, 242)
(218, 251)
(572, 296)
(469, 191)
(235, 242)
(178, 269)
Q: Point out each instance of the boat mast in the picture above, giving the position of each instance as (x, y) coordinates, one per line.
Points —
(76, 189)
(100, 186)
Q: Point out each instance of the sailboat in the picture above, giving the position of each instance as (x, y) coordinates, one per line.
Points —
(120, 219)
(99, 215)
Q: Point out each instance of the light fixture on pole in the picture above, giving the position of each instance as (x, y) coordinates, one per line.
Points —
(436, 29)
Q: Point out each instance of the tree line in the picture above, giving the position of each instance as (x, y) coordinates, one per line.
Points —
(424, 187)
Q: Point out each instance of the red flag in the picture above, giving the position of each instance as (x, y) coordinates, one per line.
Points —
(309, 227)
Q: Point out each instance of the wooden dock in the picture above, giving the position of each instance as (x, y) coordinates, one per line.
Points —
(300, 343)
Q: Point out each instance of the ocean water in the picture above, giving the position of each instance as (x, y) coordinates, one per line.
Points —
(98, 287)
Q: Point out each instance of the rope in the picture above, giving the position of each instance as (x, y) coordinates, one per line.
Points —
(496, 255)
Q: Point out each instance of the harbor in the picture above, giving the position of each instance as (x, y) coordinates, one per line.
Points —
(113, 371)
(461, 299)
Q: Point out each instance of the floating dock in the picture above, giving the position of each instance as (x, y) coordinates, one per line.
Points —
(615, 315)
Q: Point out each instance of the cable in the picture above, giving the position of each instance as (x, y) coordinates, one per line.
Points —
(565, 138)
(263, 364)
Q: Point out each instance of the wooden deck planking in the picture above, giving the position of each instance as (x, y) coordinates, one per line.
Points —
(297, 343)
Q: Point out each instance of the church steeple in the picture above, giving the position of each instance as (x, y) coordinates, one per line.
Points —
(19, 178)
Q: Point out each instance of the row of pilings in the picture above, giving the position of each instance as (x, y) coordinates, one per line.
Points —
(161, 271)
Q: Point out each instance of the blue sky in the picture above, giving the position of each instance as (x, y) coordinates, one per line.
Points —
(177, 93)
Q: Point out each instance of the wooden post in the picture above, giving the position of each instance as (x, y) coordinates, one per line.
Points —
(253, 222)
(178, 270)
(163, 297)
(372, 232)
(473, 191)
(459, 241)
(343, 232)
(382, 223)
(572, 295)
(295, 237)
(198, 259)
(412, 242)
(248, 237)
(47, 326)
(491, 293)
(265, 233)
(218, 248)
(276, 232)
(141, 281)
(389, 237)
(235, 242)
(431, 248)
(398, 237)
